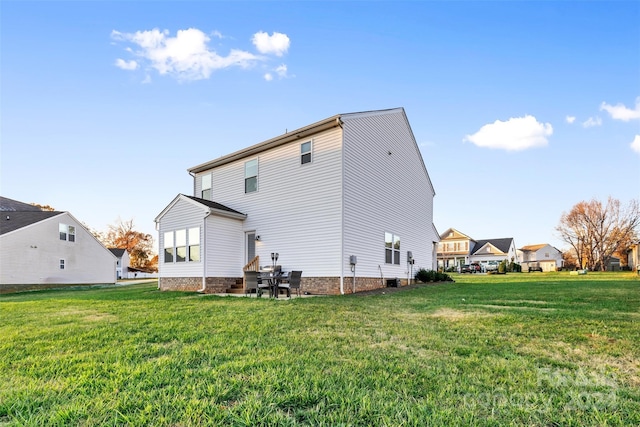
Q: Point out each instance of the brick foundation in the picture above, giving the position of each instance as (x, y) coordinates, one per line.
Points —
(312, 285)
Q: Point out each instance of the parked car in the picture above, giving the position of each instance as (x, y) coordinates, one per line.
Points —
(466, 269)
(491, 266)
(476, 268)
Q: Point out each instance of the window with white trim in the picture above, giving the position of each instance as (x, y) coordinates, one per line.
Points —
(194, 244)
(182, 245)
(251, 176)
(305, 152)
(205, 181)
(67, 232)
(61, 264)
(168, 246)
(391, 248)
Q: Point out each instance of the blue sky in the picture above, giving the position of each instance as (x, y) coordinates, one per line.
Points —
(520, 109)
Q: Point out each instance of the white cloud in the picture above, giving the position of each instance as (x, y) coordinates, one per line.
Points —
(635, 145)
(187, 56)
(515, 134)
(268, 77)
(591, 122)
(276, 43)
(570, 119)
(620, 112)
(282, 71)
(126, 65)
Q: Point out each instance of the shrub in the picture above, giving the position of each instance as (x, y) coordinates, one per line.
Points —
(423, 275)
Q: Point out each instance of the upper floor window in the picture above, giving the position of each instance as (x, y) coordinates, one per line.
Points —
(251, 176)
(391, 248)
(205, 192)
(305, 152)
(67, 232)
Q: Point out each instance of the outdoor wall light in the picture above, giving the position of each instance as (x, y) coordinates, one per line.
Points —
(257, 238)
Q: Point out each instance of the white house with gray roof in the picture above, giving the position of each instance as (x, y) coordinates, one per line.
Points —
(41, 249)
(346, 200)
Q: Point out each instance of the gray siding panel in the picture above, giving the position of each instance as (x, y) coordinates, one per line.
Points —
(387, 189)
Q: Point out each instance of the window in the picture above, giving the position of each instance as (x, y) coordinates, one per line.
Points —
(305, 152)
(391, 249)
(206, 186)
(194, 244)
(168, 246)
(61, 264)
(181, 245)
(67, 232)
(251, 176)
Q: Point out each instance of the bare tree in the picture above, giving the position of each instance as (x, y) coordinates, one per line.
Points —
(596, 231)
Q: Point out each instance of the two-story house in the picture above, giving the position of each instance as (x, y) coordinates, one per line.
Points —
(346, 200)
(456, 249)
(542, 257)
(44, 249)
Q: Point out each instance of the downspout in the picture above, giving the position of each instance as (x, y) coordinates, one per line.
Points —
(342, 260)
(203, 252)
(193, 190)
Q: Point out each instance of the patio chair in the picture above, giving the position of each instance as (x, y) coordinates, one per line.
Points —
(293, 283)
(252, 281)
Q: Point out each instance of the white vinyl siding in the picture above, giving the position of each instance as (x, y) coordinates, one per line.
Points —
(297, 210)
(182, 216)
(32, 255)
(387, 189)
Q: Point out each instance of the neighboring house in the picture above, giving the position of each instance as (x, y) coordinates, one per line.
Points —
(542, 256)
(41, 249)
(122, 264)
(346, 200)
(633, 257)
(494, 250)
(456, 249)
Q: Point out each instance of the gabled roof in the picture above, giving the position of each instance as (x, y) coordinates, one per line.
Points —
(11, 205)
(15, 220)
(303, 132)
(117, 252)
(533, 248)
(457, 234)
(213, 205)
(207, 206)
(502, 244)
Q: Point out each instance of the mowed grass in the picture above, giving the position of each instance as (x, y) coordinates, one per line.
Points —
(533, 349)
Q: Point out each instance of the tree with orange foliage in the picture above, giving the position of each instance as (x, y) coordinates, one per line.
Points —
(123, 235)
(596, 231)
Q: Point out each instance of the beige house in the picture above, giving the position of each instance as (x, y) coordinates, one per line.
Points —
(456, 249)
(541, 257)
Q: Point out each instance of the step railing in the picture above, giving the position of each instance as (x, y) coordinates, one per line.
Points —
(253, 265)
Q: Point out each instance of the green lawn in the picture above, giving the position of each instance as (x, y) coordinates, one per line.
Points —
(524, 349)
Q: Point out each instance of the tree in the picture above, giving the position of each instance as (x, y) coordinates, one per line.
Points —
(596, 231)
(123, 235)
(43, 207)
